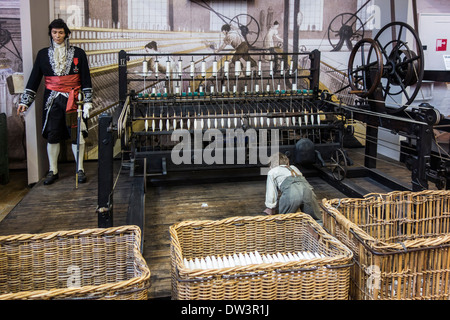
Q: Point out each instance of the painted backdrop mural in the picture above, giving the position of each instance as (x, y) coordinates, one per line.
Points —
(10, 80)
(104, 27)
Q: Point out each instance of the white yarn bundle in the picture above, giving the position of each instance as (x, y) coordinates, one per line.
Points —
(245, 259)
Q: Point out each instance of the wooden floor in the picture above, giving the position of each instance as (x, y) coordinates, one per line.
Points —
(13, 191)
(169, 204)
(172, 202)
(62, 207)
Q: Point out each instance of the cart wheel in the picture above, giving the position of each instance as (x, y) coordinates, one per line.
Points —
(441, 183)
(338, 165)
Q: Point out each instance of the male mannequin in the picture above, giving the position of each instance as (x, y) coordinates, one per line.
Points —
(66, 72)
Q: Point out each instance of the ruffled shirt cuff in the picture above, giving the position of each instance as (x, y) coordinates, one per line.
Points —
(27, 97)
(87, 92)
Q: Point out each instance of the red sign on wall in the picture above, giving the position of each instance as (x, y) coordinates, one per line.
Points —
(441, 45)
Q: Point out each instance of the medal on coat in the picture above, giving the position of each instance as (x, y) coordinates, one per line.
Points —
(75, 62)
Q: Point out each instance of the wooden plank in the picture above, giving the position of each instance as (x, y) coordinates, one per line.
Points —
(61, 206)
(169, 204)
(136, 206)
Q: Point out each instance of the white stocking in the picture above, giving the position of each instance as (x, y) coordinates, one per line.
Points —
(81, 157)
(53, 154)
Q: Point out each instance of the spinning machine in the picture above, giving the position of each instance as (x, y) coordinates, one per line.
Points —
(207, 113)
(385, 73)
(233, 111)
(220, 102)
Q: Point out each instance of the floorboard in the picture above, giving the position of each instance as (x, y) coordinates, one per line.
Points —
(199, 201)
(62, 206)
(197, 196)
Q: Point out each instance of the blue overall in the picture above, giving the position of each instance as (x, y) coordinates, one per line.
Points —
(297, 193)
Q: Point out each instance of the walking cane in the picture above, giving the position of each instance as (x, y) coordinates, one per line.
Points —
(79, 112)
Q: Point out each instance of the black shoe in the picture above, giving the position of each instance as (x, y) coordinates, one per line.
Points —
(81, 176)
(50, 178)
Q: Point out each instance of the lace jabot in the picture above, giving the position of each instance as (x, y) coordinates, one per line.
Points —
(60, 57)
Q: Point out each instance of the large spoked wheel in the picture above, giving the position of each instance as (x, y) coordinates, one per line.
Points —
(338, 165)
(403, 65)
(248, 27)
(343, 29)
(365, 69)
(5, 37)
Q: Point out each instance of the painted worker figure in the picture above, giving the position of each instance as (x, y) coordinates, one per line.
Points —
(233, 38)
(152, 48)
(270, 38)
(166, 67)
(66, 72)
(296, 193)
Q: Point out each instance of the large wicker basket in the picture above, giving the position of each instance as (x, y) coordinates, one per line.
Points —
(320, 278)
(400, 243)
(78, 264)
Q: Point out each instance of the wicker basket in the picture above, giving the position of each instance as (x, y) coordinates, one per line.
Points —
(318, 278)
(78, 264)
(400, 243)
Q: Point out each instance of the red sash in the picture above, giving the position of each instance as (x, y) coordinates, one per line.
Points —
(69, 84)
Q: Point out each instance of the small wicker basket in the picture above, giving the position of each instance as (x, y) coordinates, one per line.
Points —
(400, 243)
(79, 264)
(319, 278)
